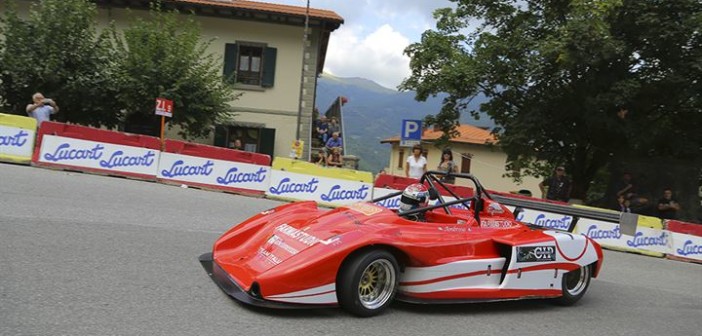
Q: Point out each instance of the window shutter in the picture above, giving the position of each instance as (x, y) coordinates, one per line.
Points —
(221, 136)
(230, 54)
(267, 141)
(269, 56)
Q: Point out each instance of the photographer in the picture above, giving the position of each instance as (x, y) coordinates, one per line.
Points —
(42, 108)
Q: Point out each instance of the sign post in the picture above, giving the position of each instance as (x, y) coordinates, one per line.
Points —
(164, 108)
(411, 133)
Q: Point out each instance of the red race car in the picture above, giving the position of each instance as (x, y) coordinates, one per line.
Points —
(363, 256)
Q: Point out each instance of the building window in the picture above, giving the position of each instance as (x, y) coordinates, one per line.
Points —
(465, 162)
(401, 160)
(250, 64)
(253, 139)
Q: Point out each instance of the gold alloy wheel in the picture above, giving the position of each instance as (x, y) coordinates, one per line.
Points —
(377, 284)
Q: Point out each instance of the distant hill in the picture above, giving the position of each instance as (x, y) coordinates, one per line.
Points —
(374, 112)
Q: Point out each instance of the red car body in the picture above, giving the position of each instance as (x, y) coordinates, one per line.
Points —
(299, 255)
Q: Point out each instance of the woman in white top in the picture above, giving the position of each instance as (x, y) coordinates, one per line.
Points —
(416, 163)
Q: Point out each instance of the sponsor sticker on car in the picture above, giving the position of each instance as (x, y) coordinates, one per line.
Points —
(536, 253)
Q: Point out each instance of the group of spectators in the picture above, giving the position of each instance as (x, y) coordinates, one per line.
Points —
(626, 196)
(416, 164)
(328, 132)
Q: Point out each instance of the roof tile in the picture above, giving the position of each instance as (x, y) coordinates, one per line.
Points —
(271, 8)
(468, 134)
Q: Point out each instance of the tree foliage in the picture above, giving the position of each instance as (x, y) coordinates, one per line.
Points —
(111, 78)
(163, 56)
(556, 71)
(56, 50)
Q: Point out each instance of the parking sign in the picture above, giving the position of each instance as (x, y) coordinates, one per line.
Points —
(411, 133)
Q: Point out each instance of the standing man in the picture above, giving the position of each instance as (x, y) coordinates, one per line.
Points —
(42, 108)
(559, 186)
(668, 207)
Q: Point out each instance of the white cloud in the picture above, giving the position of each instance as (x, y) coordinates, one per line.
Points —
(377, 56)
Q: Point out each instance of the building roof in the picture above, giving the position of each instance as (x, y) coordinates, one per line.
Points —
(469, 134)
(269, 8)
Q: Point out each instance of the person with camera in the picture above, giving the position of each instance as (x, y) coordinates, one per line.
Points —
(42, 108)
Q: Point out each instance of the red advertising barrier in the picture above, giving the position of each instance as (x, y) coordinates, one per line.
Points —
(216, 168)
(96, 150)
(400, 182)
(682, 227)
(217, 153)
(93, 134)
(687, 241)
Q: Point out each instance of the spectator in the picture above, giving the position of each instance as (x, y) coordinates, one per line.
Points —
(42, 108)
(623, 204)
(236, 144)
(334, 159)
(334, 142)
(668, 207)
(334, 126)
(626, 187)
(416, 164)
(321, 159)
(323, 129)
(448, 166)
(559, 186)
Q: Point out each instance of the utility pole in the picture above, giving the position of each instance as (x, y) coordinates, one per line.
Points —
(302, 74)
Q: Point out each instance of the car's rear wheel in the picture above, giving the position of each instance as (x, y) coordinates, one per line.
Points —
(367, 283)
(575, 284)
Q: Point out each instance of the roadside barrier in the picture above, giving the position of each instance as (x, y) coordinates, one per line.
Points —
(94, 150)
(17, 135)
(88, 149)
(216, 168)
(687, 241)
(299, 180)
(650, 238)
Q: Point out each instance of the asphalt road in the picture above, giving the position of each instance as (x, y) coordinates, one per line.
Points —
(93, 255)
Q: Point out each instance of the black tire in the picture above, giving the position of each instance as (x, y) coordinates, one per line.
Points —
(367, 283)
(575, 284)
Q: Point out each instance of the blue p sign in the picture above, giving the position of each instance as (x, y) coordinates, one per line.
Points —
(411, 132)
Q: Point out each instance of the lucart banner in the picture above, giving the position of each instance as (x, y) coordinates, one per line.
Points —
(16, 142)
(210, 172)
(648, 241)
(324, 190)
(686, 246)
(545, 219)
(56, 150)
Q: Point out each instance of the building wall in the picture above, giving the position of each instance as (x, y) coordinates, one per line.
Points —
(487, 164)
(275, 107)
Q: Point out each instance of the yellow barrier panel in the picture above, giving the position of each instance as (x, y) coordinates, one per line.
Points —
(17, 135)
(622, 244)
(651, 222)
(308, 168)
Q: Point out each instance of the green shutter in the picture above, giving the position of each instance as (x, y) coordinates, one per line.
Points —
(269, 56)
(230, 52)
(221, 136)
(267, 141)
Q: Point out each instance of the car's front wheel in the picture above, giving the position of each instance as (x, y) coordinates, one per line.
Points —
(367, 283)
(575, 284)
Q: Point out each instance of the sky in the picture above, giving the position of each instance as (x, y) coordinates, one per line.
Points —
(371, 41)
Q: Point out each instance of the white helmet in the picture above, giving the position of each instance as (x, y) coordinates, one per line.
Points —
(414, 196)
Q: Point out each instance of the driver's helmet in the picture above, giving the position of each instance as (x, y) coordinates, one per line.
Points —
(414, 196)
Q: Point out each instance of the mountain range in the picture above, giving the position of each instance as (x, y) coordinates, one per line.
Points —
(374, 113)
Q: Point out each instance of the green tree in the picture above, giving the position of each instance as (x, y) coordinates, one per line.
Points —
(57, 51)
(163, 56)
(556, 71)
